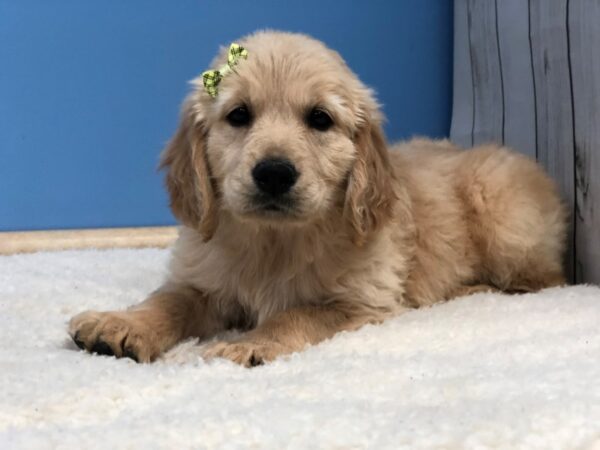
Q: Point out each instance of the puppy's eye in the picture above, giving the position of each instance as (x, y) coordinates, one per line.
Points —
(319, 119)
(239, 117)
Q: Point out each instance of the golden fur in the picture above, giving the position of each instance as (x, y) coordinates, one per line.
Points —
(373, 232)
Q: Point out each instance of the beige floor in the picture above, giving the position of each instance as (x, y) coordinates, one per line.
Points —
(35, 241)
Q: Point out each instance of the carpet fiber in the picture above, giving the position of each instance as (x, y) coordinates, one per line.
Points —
(486, 371)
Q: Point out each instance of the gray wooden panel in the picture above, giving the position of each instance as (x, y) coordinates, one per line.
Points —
(462, 104)
(584, 33)
(554, 111)
(528, 72)
(487, 78)
(553, 90)
(517, 75)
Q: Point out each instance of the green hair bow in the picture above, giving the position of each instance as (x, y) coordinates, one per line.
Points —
(212, 78)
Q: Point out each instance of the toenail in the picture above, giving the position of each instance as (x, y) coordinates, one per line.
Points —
(102, 348)
(78, 342)
(254, 361)
(128, 353)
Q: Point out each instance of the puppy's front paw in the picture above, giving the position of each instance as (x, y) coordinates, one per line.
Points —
(115, 333)
(247, 353)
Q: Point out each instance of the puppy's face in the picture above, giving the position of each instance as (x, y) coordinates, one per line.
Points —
(281, 139)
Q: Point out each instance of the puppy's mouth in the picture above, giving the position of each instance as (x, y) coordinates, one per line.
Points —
(274, 207)
(280, 205)
(268, 207)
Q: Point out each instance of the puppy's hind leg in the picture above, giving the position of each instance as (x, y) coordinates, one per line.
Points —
(518, 222)
(470, 289)
(532, 281)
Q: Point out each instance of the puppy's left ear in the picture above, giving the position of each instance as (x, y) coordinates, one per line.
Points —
(370, 194)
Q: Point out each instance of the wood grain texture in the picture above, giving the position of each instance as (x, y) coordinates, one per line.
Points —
(487, 76)
(461, 130)
(554, 103)
(549, 41)
(534, 82)
(584, 38)
(36, 241)
(517, 75)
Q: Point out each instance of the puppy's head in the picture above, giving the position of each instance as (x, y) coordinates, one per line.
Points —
(291, 137)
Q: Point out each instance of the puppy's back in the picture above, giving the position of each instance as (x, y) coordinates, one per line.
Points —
(485, 215)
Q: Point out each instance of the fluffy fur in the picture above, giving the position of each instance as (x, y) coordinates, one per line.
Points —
(369, 232)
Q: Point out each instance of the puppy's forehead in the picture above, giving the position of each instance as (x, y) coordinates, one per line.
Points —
(284, 57)
(287, 68)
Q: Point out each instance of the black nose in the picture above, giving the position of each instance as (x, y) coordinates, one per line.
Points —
(274, 176)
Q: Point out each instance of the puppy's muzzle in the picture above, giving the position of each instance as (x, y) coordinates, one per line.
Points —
(274, 177)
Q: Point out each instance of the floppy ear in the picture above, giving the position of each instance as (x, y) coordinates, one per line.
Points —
(188, 176)
(370, 194)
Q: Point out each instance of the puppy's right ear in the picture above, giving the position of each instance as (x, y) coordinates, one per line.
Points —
(188, 175)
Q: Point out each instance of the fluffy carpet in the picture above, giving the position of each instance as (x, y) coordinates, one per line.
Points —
(486, 371)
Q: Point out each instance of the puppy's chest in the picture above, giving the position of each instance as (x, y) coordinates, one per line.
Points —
(265, 277)
(268, 285)
(266, 282)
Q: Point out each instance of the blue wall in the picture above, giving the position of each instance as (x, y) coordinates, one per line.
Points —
(90, 90)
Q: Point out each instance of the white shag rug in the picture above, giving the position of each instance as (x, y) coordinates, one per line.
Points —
(486, 371)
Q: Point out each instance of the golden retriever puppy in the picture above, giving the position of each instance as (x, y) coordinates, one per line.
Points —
(300, 222)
